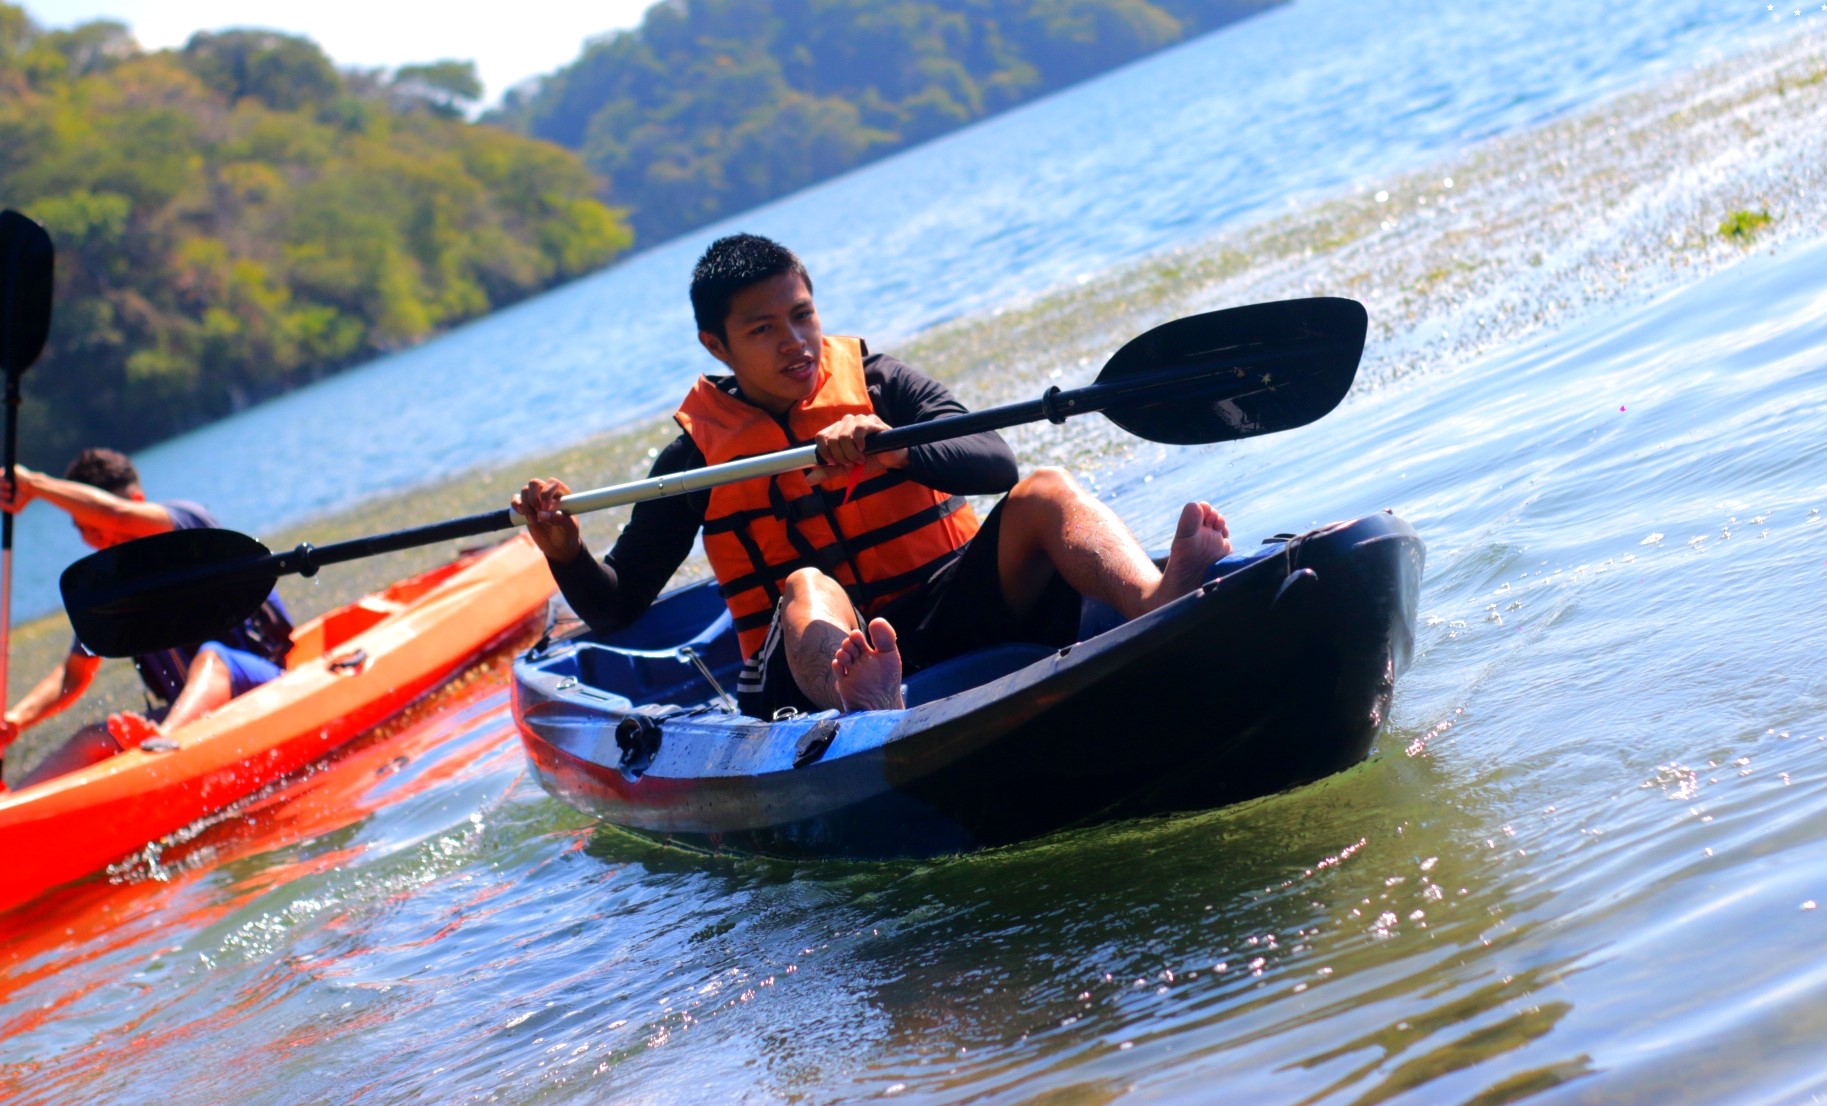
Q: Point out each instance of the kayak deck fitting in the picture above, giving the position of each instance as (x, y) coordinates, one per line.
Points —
(1276, 672)
(348, 671)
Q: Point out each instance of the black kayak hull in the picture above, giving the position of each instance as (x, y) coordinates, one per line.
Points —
(1277, 673)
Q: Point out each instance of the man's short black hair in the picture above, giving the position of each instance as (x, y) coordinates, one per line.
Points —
(105, 469)
(728, 266)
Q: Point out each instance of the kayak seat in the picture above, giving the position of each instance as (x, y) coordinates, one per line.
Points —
(968, 670)
(663, 675)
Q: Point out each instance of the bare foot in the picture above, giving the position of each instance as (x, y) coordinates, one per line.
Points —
(1200, 538)
(868, 676)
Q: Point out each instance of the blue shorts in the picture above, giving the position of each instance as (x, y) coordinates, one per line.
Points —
(246, 671)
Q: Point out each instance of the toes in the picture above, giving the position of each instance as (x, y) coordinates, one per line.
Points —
(1209, 518)
(884, 637)
(1192, 517)
(1200, 515)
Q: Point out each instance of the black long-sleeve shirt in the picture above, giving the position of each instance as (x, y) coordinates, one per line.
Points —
(612, 593)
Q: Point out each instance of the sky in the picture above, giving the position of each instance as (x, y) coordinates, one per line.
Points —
(508, 42)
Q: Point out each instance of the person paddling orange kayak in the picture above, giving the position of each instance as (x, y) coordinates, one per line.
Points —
(101, 492)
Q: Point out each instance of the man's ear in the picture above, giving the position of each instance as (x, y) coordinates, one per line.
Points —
(715, 345)
(134, 493)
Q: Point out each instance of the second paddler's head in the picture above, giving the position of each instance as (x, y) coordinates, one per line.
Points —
(112, 472)
(752, 299)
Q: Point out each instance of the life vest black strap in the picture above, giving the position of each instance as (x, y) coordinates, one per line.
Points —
(814, 505)
(826, 559)
(754, 621)
(753, 549)
(823, 500)
(829, 557)
(946, 508)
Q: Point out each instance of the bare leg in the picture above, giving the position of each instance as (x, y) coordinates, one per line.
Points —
(208, 686)
(816, 618)
(1051, 524)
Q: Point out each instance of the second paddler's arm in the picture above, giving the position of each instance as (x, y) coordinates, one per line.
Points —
(59, 688)
(87, 505)
(611, 593)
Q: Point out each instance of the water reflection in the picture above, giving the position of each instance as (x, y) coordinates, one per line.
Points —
(1073, 960)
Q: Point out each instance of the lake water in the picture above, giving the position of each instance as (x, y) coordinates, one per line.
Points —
(1583, 865)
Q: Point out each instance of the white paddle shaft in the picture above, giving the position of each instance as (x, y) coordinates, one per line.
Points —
(679, 483)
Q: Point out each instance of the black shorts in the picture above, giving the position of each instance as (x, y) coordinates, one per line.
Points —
(959, 609)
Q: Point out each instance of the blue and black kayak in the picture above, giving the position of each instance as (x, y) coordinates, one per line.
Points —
(1276, 672)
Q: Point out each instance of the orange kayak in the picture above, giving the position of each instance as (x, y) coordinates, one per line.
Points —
(348, 670)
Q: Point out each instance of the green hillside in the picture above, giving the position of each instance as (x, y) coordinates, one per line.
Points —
(238, 217)
(711, 107)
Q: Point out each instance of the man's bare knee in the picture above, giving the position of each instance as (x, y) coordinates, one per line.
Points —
(1044, 493)
(801, 580)
(204, 662)
(810, 586)
(1047, 484)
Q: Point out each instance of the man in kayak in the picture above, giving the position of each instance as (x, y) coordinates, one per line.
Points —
(806, 560)
(100, 490)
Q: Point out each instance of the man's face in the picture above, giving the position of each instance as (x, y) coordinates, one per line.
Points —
(774, 342)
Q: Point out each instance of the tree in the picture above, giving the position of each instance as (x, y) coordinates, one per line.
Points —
(284, 72)
(448, 88)
(92, 47)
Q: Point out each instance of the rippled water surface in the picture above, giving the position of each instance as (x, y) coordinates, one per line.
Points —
(1584, 864)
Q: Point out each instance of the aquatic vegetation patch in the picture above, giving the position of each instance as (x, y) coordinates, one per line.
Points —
(1742, 226)
(1497, 241)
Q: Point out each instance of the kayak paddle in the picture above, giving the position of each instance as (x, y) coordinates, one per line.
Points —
(1214, 377)
(26, 258)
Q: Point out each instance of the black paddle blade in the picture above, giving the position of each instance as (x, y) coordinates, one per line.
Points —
(25, 291)
(169, 590)
(1240, 372)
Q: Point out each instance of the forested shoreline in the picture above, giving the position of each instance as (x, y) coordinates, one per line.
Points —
(238, 217)
(711, 107)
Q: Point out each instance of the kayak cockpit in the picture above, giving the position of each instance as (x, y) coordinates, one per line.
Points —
(683, 651)
(329, 632)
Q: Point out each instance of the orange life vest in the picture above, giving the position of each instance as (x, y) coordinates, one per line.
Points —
(889, 537)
